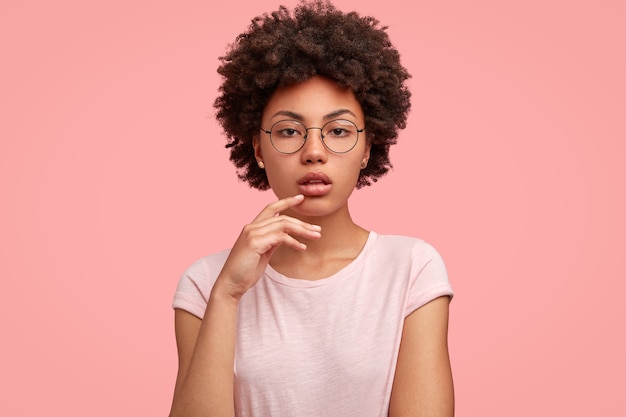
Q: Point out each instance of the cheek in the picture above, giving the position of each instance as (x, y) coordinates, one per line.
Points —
(349, 171)
(279, 175)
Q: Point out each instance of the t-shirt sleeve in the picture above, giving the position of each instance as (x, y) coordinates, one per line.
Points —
(195, 284)
(429, 277)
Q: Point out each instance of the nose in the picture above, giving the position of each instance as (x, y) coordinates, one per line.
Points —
(314, 150)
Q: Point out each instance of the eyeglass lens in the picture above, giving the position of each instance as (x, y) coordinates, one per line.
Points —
(339, 136)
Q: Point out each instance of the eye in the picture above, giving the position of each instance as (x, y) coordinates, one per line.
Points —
(288, 132)
(288, 129)
(340, 129)
(338, 132)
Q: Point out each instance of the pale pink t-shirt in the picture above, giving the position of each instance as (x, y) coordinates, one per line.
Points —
(326, 347)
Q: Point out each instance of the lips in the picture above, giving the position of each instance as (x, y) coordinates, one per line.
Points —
(315, 184)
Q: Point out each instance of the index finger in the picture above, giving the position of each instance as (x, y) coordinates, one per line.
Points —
(279, 206)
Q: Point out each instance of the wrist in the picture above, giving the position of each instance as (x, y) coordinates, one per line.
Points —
(226, 291)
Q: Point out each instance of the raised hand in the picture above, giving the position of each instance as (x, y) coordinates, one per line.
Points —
(258, 241)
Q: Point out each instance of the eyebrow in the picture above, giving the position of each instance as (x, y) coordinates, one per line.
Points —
(299, 117)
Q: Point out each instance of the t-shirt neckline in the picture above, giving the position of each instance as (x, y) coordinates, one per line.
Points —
(279, 278)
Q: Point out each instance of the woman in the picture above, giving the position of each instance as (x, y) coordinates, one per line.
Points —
(309, 314)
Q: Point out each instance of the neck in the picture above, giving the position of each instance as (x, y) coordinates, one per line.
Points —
(340, 238)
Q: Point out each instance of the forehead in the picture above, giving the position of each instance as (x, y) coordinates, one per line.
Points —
(314, 99)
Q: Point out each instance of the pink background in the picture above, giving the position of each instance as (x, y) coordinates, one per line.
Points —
(113, 179)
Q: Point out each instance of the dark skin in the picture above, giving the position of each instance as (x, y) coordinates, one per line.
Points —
(296, 234)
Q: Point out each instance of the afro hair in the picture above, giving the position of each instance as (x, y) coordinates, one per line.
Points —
(284, 48)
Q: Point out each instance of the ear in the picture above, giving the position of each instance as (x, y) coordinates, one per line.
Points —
(366, 151)
(256, 144)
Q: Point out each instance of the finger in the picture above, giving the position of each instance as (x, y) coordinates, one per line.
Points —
(265, 243)
(271, 232)
(289, 241)
(285, 224)
(279, 206)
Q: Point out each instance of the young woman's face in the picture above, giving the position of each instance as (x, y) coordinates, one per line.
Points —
(324, 177)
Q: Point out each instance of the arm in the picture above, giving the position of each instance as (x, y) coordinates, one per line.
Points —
(206, 348)
(423, 385)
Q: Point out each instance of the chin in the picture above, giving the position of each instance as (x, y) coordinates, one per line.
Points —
(318, 207)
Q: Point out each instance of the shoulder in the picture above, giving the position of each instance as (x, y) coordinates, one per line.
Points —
(418, 262)
(408, 248)
(206, 267)
(195, 284)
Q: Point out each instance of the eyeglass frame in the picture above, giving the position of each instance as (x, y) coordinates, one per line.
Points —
(306, 135)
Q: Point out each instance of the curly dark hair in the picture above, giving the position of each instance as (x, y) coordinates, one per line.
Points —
(285, 48)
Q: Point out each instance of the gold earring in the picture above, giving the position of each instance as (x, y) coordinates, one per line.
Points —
(261, 164)
(363, 164)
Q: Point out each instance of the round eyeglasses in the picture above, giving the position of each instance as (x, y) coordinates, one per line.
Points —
(289, 136)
